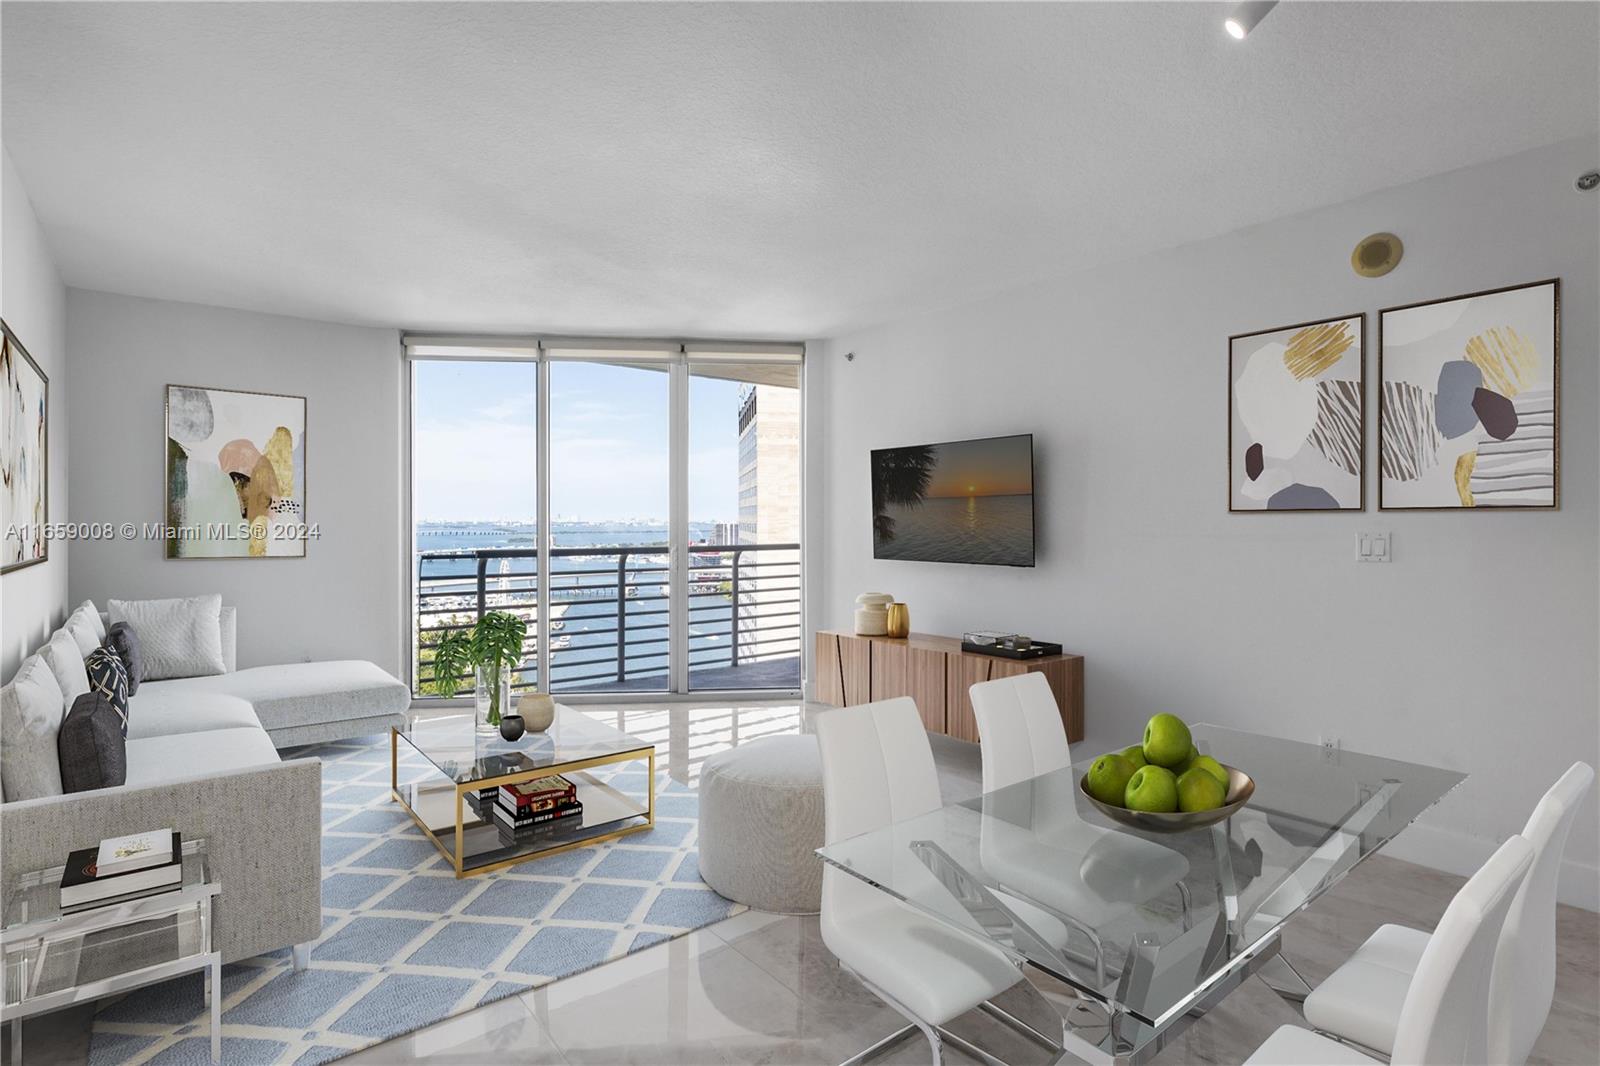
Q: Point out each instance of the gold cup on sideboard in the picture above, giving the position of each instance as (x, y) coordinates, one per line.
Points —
(899, 620)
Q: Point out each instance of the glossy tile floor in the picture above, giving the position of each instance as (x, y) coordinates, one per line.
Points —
(763, 988)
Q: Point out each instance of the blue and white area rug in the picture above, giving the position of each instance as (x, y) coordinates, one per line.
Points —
(404, 944)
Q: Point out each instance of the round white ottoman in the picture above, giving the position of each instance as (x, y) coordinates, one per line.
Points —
(761, 824)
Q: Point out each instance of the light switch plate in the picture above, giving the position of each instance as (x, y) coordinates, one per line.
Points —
(1373, 547)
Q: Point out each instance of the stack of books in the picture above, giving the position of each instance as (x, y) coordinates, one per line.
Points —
(534, 803)
(122, 869)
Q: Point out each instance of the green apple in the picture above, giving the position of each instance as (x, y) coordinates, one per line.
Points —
(1199, 791)
(1152, 788)
(1107, 779)
(1167, 741)
(1194, 753)
(1212, 767)
(1134, 753)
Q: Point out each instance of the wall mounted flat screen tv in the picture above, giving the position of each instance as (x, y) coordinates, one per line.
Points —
(967, 501)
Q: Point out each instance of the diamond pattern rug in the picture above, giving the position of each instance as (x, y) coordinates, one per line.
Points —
(404, 944)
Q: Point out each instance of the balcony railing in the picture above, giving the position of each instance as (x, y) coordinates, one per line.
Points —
(610, 614)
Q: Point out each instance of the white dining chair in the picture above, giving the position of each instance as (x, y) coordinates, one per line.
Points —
(1019, 728)
(1021, 737)
(877, 769)
(1443, 1018)
(1360, 1000)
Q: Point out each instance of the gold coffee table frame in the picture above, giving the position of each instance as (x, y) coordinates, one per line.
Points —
(644, 751)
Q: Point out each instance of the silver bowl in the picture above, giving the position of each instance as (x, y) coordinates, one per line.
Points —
(1241, 786)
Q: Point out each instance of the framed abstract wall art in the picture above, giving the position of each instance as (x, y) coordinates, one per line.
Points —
(24, 457)
(1297, 417)
(236, 474)
(1469, 412)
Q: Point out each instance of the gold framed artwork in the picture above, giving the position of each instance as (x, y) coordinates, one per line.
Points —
(1297, 417)
(236, 474)
(24, 457)
(1469, 411)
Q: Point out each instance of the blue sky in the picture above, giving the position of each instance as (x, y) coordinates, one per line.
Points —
(474, 446)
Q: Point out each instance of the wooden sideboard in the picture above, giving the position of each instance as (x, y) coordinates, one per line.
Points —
(936, 673)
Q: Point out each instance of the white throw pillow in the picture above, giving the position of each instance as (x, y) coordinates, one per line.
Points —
(66, 663)
(84, 625)
(31, 709)
(177, 638)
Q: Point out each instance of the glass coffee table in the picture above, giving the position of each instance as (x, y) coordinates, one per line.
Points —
(614, 775)
(55, 959)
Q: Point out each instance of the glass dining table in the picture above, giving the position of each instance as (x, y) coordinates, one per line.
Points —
(1037, 869)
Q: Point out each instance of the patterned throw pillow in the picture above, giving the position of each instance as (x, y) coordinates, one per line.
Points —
(108, 677)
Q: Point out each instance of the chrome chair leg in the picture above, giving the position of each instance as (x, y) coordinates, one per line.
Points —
(938, 1035)
(881, 1046)
(935, 1041)
(1017, 1025)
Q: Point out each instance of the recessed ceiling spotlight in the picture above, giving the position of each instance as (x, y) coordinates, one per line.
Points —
(1246, 17)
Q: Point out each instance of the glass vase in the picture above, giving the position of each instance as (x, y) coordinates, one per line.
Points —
(491, 696)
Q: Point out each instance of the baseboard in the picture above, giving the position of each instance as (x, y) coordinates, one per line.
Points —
(1462, 853)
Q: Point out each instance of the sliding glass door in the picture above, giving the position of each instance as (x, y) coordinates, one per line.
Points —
(636, 503)
(744, 565)
(474, 504)
(610, 541)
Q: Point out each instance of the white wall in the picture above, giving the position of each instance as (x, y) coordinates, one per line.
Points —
(34, 600)
(343, 600)
(1474, 649)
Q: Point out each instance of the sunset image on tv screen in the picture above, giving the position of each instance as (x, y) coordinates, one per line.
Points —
(964, 502)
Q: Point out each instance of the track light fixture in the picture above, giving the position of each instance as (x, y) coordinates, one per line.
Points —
(1246, 17)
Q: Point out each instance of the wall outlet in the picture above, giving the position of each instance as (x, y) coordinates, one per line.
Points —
(1373, 547)
(1330, 745)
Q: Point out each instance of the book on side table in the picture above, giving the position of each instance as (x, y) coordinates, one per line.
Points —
(141, 865)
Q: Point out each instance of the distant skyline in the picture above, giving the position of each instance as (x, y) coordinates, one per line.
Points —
(474, 452)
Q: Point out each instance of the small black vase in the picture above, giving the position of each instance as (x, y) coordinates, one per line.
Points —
(511, 726)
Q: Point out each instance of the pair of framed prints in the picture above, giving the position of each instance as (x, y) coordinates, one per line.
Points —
(1469, 411)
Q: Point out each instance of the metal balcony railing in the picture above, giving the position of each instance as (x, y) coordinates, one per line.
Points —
(610, 614)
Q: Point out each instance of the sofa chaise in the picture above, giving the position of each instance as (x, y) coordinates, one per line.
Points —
(202, 757)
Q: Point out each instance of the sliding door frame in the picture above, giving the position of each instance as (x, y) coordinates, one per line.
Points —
(537, 350)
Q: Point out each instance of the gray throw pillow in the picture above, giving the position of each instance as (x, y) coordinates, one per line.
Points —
(178, 638)
(125, 642)
(30, 721)
(84, 625)
(93, 751)
(66, 663)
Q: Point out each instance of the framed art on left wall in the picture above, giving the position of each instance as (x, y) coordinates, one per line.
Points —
(24, 457)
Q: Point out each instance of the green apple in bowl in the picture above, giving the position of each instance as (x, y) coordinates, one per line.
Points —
(1212, 767)
(1198, 790)
(1167, 741)
(1107, 779)
(1134, 753)
(1153, 789)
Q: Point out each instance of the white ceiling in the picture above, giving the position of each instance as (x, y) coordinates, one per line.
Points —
(753, 170)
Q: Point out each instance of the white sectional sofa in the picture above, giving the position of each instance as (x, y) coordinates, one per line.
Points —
(296, 703)
(202, 757)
